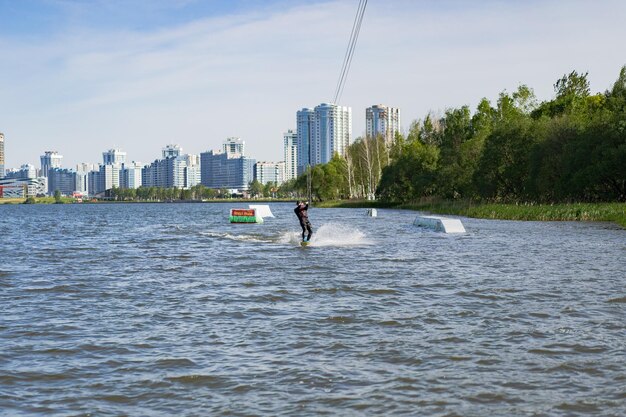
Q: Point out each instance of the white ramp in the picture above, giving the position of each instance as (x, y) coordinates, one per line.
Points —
(262, 210)
(440, 224)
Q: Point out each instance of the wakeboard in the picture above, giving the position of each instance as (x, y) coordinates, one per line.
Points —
(305, 243)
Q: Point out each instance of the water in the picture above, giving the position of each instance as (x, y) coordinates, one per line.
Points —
(166, 309)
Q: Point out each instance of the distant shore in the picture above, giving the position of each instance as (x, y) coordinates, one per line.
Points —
(601, 212)
(594, 212)
(70, 200)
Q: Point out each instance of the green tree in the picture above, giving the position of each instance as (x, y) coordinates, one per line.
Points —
(410, 176)
(57, 197)
(255, 188)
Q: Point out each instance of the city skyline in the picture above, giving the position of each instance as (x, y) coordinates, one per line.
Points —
(85, 75)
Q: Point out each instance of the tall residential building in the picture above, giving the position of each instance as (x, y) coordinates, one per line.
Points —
(228, 168)
(130, 175)
(290, 147)
(113, 157)
(333, 131)
(86, 167)
(81, 185)
(49, 160)
(2, 173)
(171, 151)
(234, 146)
(382, 120)
(62, 180)
(93, 183)
(108, 174)
(109, 177)
(174, 170)
(305, 121)
(323, 133)
(26, 171)
(83, 172)
(265, 172)
(192, 172)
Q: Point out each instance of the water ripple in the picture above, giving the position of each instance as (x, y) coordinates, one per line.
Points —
(166, 309)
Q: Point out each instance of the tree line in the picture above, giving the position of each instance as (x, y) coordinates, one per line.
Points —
(196, 193)
(570, 148)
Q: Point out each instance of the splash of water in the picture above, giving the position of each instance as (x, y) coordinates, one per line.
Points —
(329, 234)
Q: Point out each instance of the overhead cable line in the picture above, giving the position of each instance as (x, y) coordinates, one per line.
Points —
(347, 61)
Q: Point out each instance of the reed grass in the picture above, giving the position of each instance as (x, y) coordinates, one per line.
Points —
(605, 212)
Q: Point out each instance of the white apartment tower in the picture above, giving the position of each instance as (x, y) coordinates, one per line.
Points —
(171, 151)
(332, 132)
(305, 120)
(265, 172)
(323, 132)
(50, 160)
(382, 120)
(113, 157)
(290, 143)
(234, 147)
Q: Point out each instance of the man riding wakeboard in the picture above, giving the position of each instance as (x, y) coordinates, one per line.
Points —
(303, 216)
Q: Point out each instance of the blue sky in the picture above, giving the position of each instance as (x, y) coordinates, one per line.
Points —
(81, 77)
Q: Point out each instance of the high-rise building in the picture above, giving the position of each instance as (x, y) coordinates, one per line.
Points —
(323, 132)
(305, 121)
(49, 160)
(81, 185)
(93, 183)
(113, 157)
(86, 167)
(174, 170)
(26, 171)
(382, 120)
(109, 177)
(108, 174)
(130, 175)
(234, 147)
(192, 172)
(290, 148)
(83, 172)
(333, 131)
(62, 180)
(171, 151)
(219, 169)
(2, 173)
(265, 172)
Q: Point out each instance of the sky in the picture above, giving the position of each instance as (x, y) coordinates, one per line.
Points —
(84, 76)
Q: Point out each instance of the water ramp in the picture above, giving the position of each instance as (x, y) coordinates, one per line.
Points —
(440, 224)
(262, 210)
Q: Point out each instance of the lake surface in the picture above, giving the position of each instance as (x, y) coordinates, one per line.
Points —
(167, 309)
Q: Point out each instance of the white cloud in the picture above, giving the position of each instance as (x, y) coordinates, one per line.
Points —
(83, 91)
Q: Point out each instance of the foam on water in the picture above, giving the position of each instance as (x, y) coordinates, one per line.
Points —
(329, 234)
(243, 237)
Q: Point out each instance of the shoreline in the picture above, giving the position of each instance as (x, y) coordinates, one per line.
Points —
(598, 212)
(594, 212)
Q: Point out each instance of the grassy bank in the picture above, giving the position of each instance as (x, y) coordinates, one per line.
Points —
(38, 200)
(611, 212)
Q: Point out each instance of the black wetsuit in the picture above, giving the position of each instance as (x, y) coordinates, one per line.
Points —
(303, 216)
